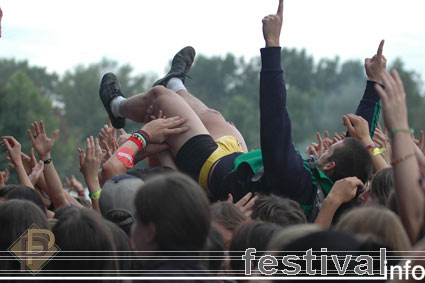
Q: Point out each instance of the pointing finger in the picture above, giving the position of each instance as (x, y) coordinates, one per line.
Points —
(381, 46)
(280, 9)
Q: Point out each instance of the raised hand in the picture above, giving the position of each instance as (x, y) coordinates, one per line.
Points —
(90, 160)
(272, 25)
(123, 137)
(376, 65)
(74, 184)
(381, 141)
(245, 204)
(393, 101)
(36, 172)
(159, 129)
(358, 128)
(41, 143)
(13, 149)
(108, 135)
(345, 189)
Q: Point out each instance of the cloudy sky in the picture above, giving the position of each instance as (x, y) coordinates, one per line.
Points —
(60, 34)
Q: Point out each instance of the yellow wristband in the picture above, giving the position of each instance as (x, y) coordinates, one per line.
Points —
(95, 195)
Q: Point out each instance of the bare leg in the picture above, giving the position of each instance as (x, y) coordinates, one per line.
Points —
(215, 123)
(171, 105)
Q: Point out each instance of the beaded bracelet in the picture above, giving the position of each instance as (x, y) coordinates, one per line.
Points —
(399, 130)
(146, 136)
(398, 160)
(95, 195)
(138, 139)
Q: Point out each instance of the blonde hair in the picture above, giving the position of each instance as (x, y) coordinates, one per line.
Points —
(289, 234)
(378, 221)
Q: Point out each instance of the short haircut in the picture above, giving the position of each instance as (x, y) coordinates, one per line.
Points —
(351, 160)
(23, 192)
(255, 234)
(227, 214)
(179, 209)
(278, 210)
(382, 185)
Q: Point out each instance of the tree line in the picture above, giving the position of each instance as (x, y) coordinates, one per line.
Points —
(319, 93)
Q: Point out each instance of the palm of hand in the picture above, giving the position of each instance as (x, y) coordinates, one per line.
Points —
(43, 144)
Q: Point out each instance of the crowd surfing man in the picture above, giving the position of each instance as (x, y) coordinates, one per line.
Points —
(213, 151)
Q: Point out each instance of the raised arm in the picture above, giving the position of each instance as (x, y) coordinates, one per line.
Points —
(358, 128)
(89, 165)
(43, 146)
(406, 169)
(155, 132)
(369, 107)
(14, 151)
(283, 166)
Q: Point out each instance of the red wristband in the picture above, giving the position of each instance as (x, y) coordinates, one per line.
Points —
(146, 135)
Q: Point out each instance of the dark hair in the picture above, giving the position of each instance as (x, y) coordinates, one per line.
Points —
(214, 251)
(123, 247)
(255, 234)
(23, 192)
(351, 160)
(382, 185)
(82, 229)
(227, 214)
(278, 210)
(179, 209)
(17, 216)
(147, 173)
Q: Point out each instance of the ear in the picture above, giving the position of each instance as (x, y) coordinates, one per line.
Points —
(329, 167)
(150, 232)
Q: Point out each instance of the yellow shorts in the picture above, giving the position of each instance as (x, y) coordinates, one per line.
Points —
(226, 145)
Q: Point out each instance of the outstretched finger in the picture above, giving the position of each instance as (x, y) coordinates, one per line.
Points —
(380, 48)
(229, 198)
(30, 135)
(347, 123)
(280, 9)
(398, 82)
(176, 131)
(381, 92)
(36, 128)
(243, 200)
(54, 135)
(98, 150)
(175, 122)
(42, 129)
(250, 203)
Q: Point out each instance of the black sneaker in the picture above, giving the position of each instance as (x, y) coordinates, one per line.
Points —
(109, 89)
(180, 65)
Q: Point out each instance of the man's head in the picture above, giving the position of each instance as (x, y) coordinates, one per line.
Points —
(347, 158)
(117, 200)
(172, 214)
(278, 210)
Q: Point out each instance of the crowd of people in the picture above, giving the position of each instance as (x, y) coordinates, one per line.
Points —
(204, 198)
